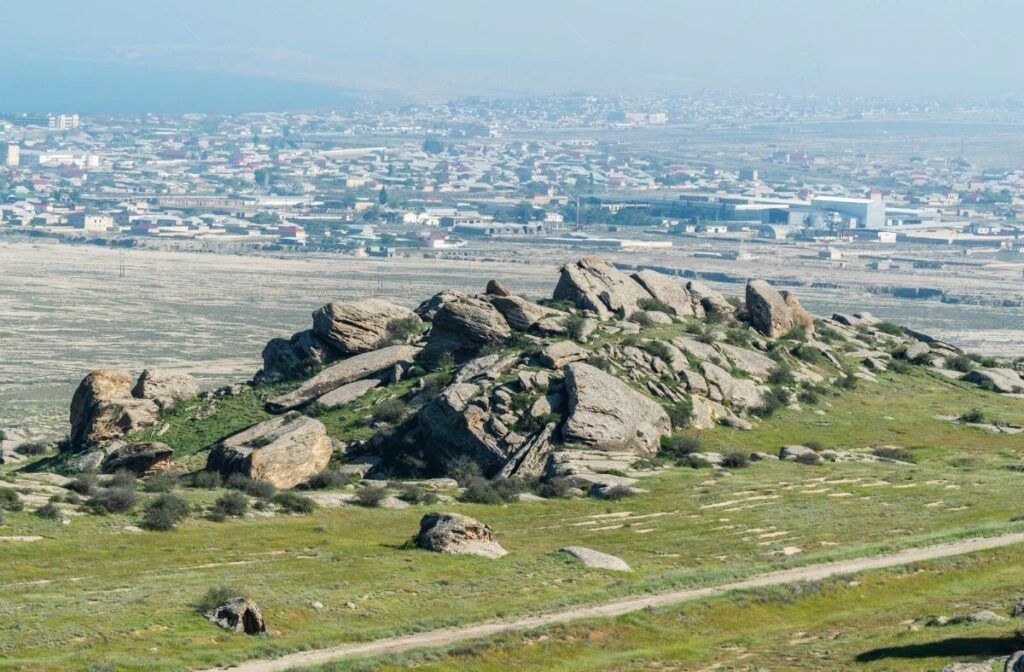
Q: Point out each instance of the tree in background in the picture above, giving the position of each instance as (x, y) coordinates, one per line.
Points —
(382, 197)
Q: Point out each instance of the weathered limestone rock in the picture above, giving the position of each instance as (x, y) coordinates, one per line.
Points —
(797, 313)
(767, 309)
(711, 303)
(916, 350)
(165, 388)
(561, 353)
(531, 457)
(366, 365)
(488, 367)
(239, 614)
(706, 413)
(286, 358)
(457, 534)
(465, 324)
(704, 352)
(103, 409)
(428, 309)
(353, 327)
(1006, 381)
(594, 284)
(495, 288)
(596, 559)
(802, 453)
(138, 458)
(649, 317)
(720, 382)
(607, 414)
(757, 365)
(284, 451)
(458, 427)
(522, 314)
(348, 392)
(668, 290)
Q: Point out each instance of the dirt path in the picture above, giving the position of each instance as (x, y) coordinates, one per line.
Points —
(448, 636)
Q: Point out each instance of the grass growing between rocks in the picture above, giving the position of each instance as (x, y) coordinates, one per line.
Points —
(870, 622)
(98, 592)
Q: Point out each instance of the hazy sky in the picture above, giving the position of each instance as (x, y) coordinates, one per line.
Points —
(437, 48)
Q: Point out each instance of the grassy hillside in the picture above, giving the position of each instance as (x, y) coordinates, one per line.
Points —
(98, 591)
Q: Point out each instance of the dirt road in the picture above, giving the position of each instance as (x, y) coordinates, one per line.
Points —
(448, 636)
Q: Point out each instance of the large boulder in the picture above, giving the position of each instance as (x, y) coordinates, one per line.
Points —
(712, 303)
(606, 414)
(284, 451)
(559, 354)
(457, 534)
(358, 367)
(668, 290)
(594, 284)
(286, 358)
(164, 387)
(102, 409)
(465, 324)
(767, 309)
(357, 326)
(239, 614)
(1006, 381)
(138, 458)
(522, 314)
(457, 425)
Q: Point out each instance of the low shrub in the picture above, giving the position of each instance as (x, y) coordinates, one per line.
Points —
(83, 484)
(10, 501)
(50, 511)
(232, 503)
(553, 488)
(808, 458)
(975, 415)
(781, 375)
(161, 481)
(575, 326)
(164, 512)
(773, 400)
(616, 492)
(330, 478)
(117, 499)
(33, 448)
(680, 445)
(680, 413)
(415, 494)
(207, 480)
(390, 411)
(659, 349)
(900, 366)
(651, 303)
(960, 363)
(251, 487)
(890, 328)
(481, 491)
(736, 460)
(894, 453)
(816, 446)
(370, 497)
(294, 503)
(463, 469)
(401, 329)
(122, 479)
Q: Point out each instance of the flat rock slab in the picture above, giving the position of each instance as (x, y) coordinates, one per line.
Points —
(346, 371)
(597, 559)
(347, 393)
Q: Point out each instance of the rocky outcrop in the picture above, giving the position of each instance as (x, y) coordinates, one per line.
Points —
(594, 284)
(596, 559)
(463, 325)
(287, 358)
(165, 388)
(366, 365)
(1005, 381)
(794, 453)
(606, 414)
(559, 354)
(712, 304)
(457, 534)
(103, 409)
(346, 393)
(767, 309)
(799, 316)
(456, 422)
(524, 315)
(668, 290)
(496, 288)
(284, 451)
(138, 458)
(238, 614)
(353, 327)
(531, 457)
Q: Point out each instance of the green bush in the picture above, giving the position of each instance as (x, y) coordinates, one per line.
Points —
(736, 460)
(463, 469)
(232, 503)
(294, 503)
(772, 401)
(117, 499)
(370, 497)
(890, 328)
(808, 458)
(400, 330)
(894, 453)
(975, 415)
(553, 488)
(329, 479)
(390, 411)
(251, 487)
(10, 501)
(161, 481)
(415, 494)
(215, 597)
(122, 479)
(496, 491)
(680, 445)
(84, 484)
(33, 448)
(680, 413)
(164, 512)
(659, 349)
(960, 363)
(651, 303)
(575, 326)
(616, 492)
(50, 511)
(900, 366)
(781, 375)
(207, 480)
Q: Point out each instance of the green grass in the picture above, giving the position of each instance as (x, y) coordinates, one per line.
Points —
(870, 622)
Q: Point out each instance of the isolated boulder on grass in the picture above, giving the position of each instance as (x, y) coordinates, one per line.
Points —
(457, 534)
(239, 614)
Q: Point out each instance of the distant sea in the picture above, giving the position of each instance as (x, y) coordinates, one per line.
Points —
(113, 88)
